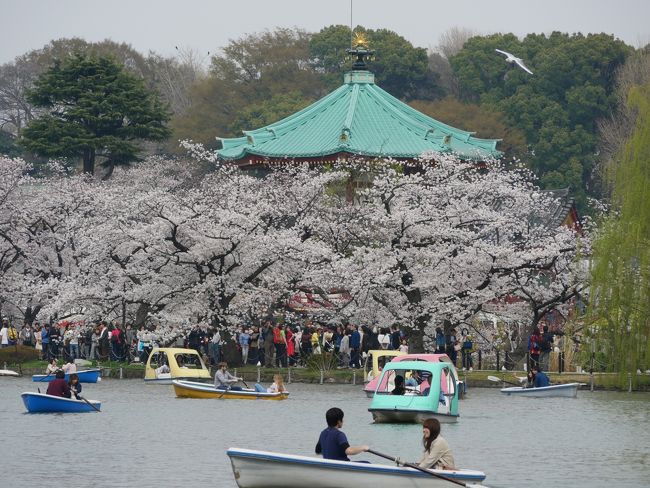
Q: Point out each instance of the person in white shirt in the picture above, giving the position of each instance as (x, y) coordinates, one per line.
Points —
(4, 334)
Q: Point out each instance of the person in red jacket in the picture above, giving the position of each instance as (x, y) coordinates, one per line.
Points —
(59, 386)
(534, 342)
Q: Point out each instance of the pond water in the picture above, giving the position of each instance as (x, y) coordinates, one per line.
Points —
(146, 437)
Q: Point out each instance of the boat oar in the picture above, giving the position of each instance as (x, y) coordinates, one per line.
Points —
(415, 466)
(499, 380)
(224, 392)
(44, 377)
(82, 398)
(245, 384)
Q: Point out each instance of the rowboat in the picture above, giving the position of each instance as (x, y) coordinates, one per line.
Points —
(436, 396)
(85, 376)
(192, 389)
(166, 364)
(373, 382)
(8, 372)
(262, 469)
(569, 390)
(43, 403)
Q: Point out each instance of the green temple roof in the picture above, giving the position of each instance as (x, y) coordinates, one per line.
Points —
(358, 118)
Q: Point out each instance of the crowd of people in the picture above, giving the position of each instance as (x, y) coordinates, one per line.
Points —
(273, 343)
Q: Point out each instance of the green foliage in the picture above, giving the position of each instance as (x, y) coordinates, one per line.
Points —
(487, 123)
(18, 354)
(250, 77)
(8, 145)
(268, 111)
(400, 68)
(621, 264)
(323, 362)
(95, 109)
(557, 107)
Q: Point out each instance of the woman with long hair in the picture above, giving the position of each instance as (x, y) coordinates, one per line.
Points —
(437, 454)
(277, 386)
(75, 386)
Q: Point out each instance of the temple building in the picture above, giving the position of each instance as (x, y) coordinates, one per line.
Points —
(358, 119)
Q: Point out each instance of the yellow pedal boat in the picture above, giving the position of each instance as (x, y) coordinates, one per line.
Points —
(171, 363)
(192, 389)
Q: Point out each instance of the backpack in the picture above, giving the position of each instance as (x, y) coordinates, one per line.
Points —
(545, 343)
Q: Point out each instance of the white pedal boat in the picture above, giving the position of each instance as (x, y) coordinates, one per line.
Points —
(263, 469)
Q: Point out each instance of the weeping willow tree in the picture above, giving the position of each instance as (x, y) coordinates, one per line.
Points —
(621, 265)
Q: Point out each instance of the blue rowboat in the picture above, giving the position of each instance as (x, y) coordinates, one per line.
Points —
(263, 469)
(43, 403)
(86, 376)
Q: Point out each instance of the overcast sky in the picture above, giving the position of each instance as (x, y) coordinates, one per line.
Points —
(207, 25)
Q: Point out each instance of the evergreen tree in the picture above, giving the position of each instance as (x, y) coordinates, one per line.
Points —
(96, 110)
(558, 107)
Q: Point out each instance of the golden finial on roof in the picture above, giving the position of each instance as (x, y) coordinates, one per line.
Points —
(360, 40)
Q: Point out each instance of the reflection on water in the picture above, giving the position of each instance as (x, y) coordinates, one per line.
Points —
(146, 437)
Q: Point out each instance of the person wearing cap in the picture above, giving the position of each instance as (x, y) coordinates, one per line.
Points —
(59, 386)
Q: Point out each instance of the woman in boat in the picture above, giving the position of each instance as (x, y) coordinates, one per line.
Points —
(277, 386)
(74, 385)
(52, 367)
(530, 380)
(437, 454)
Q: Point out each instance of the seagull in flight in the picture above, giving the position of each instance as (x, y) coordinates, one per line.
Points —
(511, 58)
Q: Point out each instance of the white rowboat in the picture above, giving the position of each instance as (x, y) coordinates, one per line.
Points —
(569, 390)
(262, 469)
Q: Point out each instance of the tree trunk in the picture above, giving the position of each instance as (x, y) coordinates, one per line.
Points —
(89, 161)
(141, 314)
(416, 340)
(30, 315)
(416, 334)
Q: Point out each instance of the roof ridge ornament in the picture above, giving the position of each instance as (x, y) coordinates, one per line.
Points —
(360, 49)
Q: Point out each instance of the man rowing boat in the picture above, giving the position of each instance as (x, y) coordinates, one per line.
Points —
(59, 386)
(333, 443)
(541, 379)
(223, 380)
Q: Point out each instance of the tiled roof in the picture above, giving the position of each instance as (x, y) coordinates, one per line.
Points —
(357, 118)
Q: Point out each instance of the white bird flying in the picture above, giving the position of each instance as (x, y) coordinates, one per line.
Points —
(510, 58)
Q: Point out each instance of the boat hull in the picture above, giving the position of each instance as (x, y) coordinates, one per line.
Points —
(257, 469)
(192, 389)
(85, 376)
(43, 403)
(568, 390)
(385, 415)
(162, 379)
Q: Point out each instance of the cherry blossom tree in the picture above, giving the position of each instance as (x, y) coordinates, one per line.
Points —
(182, 241)
(431, 244)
